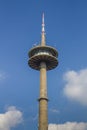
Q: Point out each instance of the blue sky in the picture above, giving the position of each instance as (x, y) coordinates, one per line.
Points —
(66, 29)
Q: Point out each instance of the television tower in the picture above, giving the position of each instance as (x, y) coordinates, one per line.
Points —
(43, 58)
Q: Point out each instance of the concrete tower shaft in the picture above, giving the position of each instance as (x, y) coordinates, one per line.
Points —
(43, 116)
(43, 58)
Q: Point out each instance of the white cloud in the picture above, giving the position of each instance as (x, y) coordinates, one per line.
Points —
(76, 85)
(68, 126)
(10, 118)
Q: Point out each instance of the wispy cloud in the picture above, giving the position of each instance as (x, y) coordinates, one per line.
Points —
(3, 76)
(68, 126)
(76, 86)
(10, 118)
(35, 117)
(54, 110)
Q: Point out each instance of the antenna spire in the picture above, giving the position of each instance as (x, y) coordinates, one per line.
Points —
(43, 25)
(43, 31)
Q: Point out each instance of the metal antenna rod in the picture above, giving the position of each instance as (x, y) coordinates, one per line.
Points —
(43, 32)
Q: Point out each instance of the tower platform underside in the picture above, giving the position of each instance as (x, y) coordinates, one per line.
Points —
(45, 54)
(51, 62)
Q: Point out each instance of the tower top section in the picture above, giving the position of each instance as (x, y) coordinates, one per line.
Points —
(43, 53)
(43, 42)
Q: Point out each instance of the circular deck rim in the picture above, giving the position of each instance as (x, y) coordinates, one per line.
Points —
(34, 49)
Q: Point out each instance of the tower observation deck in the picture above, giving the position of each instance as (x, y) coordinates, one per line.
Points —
(43, 58)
